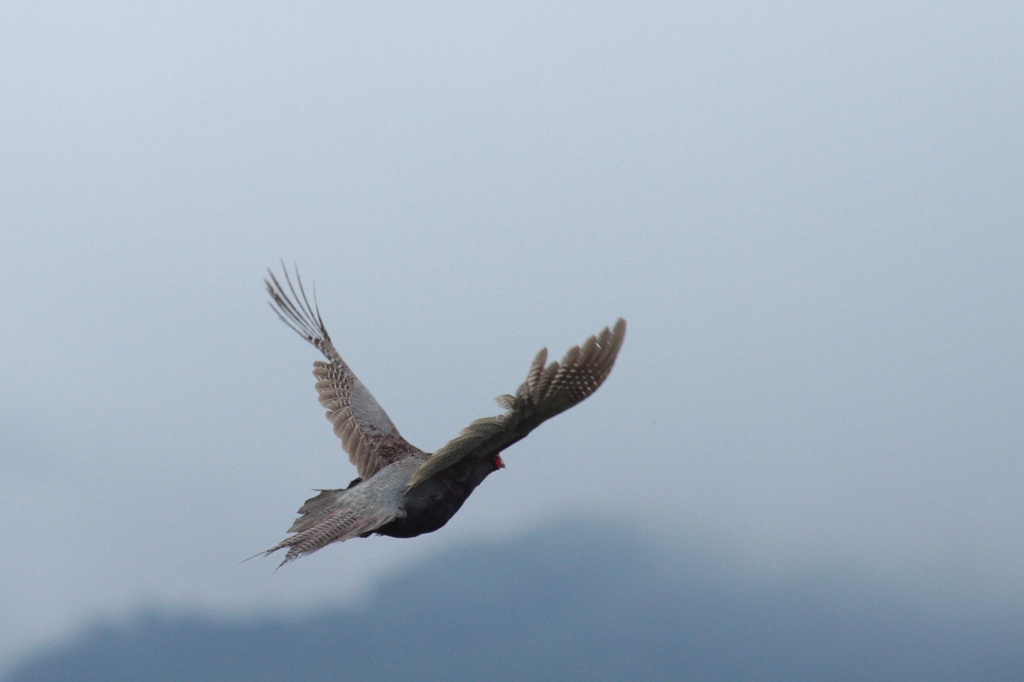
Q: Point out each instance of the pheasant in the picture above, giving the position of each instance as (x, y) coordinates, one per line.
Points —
(402, 491)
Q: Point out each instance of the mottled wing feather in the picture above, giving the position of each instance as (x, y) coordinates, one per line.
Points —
(366, 432)
(547, 391)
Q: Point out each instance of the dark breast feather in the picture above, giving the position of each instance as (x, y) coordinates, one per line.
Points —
(430, 505)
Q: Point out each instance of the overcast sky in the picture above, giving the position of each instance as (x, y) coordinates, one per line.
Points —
(810, 213)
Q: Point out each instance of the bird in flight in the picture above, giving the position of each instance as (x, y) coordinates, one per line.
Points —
(402, 491)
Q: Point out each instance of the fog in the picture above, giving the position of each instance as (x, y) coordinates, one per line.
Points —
(810, 216)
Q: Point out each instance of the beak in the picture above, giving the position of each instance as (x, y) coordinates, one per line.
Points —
(499, 462)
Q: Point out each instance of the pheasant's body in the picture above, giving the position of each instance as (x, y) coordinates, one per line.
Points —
(431, 504)
(401, 490)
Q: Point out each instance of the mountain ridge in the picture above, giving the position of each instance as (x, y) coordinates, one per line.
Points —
(585, 599)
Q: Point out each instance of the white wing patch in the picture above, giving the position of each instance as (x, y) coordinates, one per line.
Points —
(372, 418)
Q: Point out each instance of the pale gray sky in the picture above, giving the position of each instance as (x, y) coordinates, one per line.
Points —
(810, 214)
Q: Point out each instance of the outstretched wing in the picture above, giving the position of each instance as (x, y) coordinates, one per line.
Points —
(366, 432)
(546, 392)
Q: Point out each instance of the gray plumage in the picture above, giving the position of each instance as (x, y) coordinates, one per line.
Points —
(401, 490)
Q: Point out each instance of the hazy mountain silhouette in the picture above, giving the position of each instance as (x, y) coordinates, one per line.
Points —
(578, 602)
